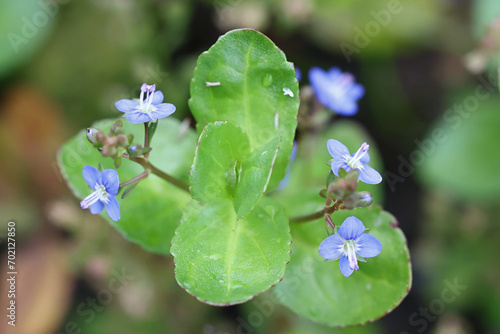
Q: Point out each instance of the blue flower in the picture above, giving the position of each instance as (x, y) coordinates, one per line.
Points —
(336, 90)
(145, 109)
(349, 245)
(105, 185)
(343, 159)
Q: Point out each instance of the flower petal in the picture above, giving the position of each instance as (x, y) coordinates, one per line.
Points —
(368, 246)
(111, 181)
(334, 73)
(337, 150)
(127, 106)
(163, 110)
(332, 247)
(365, 158)
(352, 228)
(369, 175)
(92, 176)
(113, 208)
(337, 165)
(344, 266)
(344, 107)
(356, 91)
(321, 84)
(96, 208)
(157, 97)
(138, 117)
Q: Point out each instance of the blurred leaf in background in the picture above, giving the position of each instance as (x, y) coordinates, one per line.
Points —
(24, 27)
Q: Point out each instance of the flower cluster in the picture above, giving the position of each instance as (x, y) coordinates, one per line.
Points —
(147, 109)
(350, 244)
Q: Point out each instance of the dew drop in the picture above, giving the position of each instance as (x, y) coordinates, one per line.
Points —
(268, 80)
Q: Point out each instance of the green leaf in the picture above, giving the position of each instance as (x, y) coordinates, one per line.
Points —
(460, 154)
(223, 167)
(22, 30)
(249, 73)
(255, 174)
(223, 260)
(151, 212)
(317, 290)
(221, 149)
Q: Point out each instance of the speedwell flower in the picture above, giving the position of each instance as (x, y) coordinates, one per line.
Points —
(145, 109)
(359, 160)
(105, 185)
(336, 90)
(349, 245)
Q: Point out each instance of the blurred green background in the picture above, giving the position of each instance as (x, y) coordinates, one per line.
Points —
(431, 105)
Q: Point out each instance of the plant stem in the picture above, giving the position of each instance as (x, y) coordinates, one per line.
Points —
(312, 216)
(141, 176)
(150, 168)
(327, 210)
(146, 138)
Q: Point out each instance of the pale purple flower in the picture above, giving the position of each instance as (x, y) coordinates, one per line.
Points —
(359, 160)
(349, 245)
(336, 90)
(147, 108)
(105, 185)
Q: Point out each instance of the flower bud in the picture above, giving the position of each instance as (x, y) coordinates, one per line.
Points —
(95, 136)
(116, 128)
(108, 151)
(352, 180)
(111, 141)
(122, 140)
(91, 133)
(349, 203)
(342, 188)
(100, 136)
(135, 151)
(362, 199)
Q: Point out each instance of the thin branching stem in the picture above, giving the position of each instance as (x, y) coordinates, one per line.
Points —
(151, 168)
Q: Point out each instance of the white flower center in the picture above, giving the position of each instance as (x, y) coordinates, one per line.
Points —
(100, 194)
(145, 103)
(339, 87)
(354, 161)
(350, 251)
